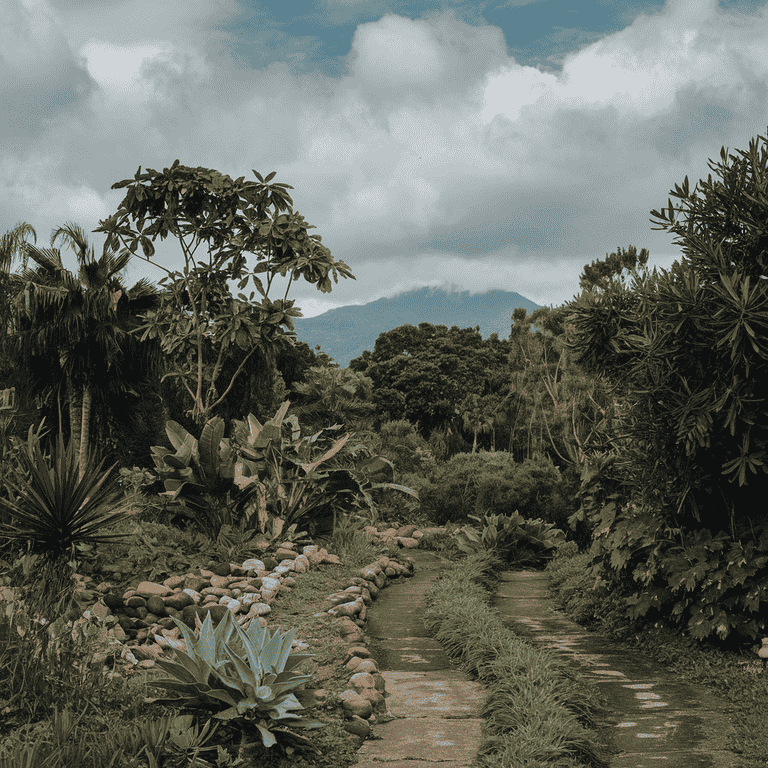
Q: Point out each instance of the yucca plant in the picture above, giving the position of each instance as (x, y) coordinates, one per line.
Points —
(247, 675)
(60, 517)
(54, 510)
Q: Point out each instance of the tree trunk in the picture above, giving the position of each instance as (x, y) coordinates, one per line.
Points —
(75, 415)
(85, 433)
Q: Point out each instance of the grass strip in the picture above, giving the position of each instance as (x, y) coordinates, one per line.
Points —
(538, 711)
(737, 676)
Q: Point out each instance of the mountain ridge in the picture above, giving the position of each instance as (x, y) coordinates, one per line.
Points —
(344, 333)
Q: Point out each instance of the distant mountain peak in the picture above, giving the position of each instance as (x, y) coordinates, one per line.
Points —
(346, 332)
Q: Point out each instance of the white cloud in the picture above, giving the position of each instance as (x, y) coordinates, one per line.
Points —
(434, 140)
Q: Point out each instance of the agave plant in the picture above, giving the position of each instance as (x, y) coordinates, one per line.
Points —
(247, 675)
(56, 511)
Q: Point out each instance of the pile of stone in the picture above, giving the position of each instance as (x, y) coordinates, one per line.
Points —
(145, 615)
(406, 536)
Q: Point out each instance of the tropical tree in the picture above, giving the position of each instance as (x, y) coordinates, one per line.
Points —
(198, 312)
(79, 326)
(334, 395)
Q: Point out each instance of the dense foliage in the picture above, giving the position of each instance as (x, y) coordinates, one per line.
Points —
(671, 490)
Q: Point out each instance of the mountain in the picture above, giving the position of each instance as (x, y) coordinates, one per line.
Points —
(345, 333)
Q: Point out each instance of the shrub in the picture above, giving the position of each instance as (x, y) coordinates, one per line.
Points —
(404, 447)
(493, 483)
(513, 539)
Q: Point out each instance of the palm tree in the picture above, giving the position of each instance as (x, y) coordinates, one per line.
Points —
(80, 325)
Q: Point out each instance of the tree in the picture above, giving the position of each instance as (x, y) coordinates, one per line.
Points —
(687, 353)
(424, 374)
(601, 272)
(198, 312)
(333, 395)
(79, 326)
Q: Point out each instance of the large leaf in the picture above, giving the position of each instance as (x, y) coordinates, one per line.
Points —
(210, 440)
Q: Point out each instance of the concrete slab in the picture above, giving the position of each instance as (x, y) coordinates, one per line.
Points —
(448, 694)
(428, 739)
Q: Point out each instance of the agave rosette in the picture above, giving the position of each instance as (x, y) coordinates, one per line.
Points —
(251, 671)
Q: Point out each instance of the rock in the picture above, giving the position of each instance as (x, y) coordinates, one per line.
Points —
(408, 543)
(149, 589)
(118, 633)
(100, 611)
(309, 549)
(376, 698)
(417, 534)
(367, 665)
(357, 726)
(379, 682)
(217, 612)
(188, 615)
(269, 583)
(283, 553)
(361, 680)
(195, 584)
(221, 581)
(301, 564)
(332, 560)
(136, 602)
(254, 565)
(316, 556)
(258, 609)
(215, 591)
(269, 563)
(282, 569)
(359, 650)
(337, 598)
(405, 531)
(347, 609)
(348, 630)
(172, 582)
(156, 605)
(311, 697)
(114, 603)
(353, 663)
(221, 569)
(354, 589)
(289, 581)
(179, 601)
(355, 704)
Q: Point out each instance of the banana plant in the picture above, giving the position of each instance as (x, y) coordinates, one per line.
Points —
(305, 488)
(200, 474)
(244, 676)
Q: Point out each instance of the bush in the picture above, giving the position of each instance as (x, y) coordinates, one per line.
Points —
(493, 483)
(404, 447)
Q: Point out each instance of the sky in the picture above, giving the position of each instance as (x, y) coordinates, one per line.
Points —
(481, 145)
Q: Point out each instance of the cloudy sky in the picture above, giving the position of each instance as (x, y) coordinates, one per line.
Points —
(499, 144)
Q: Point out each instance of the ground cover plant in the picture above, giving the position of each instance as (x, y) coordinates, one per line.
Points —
(738, 676)
(538, 712)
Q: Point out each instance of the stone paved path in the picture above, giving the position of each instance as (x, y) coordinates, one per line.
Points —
(655, 719)
(434, 703)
